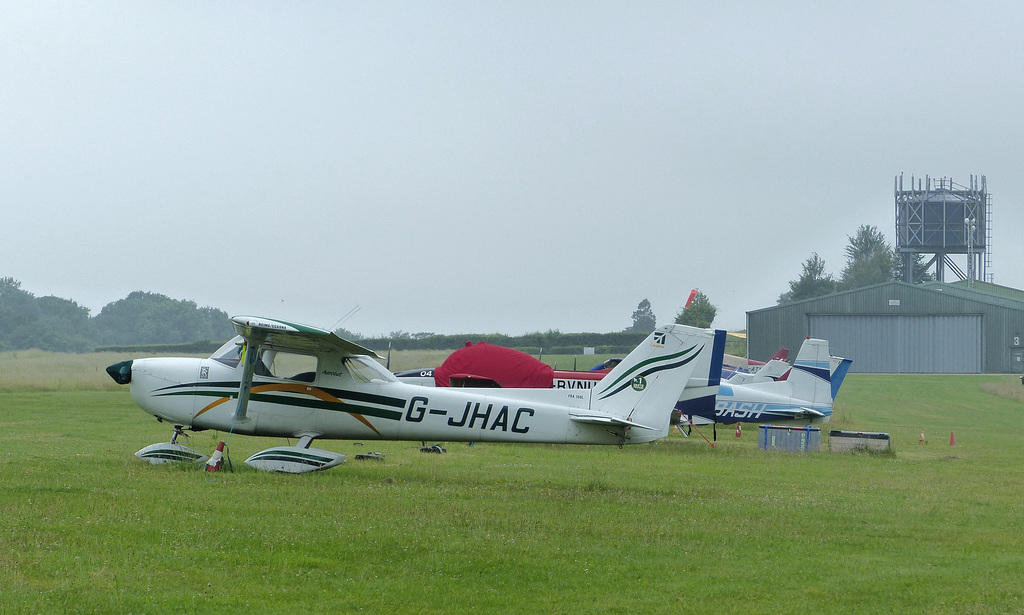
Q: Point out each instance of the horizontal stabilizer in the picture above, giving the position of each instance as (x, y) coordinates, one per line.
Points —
(601, 419)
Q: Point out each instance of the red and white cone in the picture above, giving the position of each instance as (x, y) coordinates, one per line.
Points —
(952, 439)
(213, 465)
(739, 431)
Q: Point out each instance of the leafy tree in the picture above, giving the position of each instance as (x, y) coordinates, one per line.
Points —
(62, 326)
(16, 312)
(643, 318)
(869, 259)
(346, 334)
(813, 282)
(700, 313)
(151, 318)
(47, 323)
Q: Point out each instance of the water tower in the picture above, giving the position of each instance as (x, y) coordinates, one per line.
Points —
(941, 218)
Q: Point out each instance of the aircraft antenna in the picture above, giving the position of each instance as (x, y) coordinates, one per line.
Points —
(344, 318)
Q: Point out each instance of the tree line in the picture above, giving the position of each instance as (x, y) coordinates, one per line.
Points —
(151, 319)
(62, 325)
(549, 342)
(143, 318)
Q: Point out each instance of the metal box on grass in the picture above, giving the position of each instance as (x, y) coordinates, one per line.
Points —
(852, 441)
(789, 438)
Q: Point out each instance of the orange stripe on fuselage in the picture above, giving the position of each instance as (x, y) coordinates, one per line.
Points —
(302, 389)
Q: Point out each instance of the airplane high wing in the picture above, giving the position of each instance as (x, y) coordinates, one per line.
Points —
(302, 338)
(294, 381)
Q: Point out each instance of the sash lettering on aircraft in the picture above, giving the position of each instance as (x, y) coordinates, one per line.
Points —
(741, 409)
(474, 416)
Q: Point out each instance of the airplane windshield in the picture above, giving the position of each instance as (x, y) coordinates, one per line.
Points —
(365, 369)
(230, 353)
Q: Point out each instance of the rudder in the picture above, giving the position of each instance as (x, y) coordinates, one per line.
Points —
(810, 376)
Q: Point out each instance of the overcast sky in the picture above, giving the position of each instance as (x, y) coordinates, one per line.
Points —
(487, 167)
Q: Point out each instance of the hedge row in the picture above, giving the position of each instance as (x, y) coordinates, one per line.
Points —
(535, 343)
(552, 342)
(201, 347)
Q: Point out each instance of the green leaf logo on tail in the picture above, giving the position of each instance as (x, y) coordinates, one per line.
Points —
(636, 376)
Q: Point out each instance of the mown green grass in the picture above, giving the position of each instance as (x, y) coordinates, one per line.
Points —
(675, 526)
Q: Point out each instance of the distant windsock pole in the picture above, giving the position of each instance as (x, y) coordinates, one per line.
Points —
(693, 294)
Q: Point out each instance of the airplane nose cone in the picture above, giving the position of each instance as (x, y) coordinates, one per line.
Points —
(121, 372)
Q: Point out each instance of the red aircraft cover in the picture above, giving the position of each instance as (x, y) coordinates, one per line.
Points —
(507, 367)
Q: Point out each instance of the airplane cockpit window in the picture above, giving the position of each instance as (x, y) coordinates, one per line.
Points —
(286, 365)
(365, 369)
(230, 353)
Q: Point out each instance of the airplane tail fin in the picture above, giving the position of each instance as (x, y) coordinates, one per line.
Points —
(698, 398)
(642, 390)
(811, 373)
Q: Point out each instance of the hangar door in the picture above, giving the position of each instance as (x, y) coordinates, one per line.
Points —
(947, 344)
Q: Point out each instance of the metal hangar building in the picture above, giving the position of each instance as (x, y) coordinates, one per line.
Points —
(967, 327)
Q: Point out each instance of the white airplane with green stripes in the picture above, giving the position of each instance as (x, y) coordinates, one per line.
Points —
(287, 380)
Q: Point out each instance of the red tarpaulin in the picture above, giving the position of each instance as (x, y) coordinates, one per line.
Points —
(506, 367)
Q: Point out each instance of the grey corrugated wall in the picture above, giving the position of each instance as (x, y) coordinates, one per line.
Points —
(979, 325)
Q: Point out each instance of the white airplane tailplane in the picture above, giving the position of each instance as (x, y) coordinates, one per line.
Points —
(810, 376)
(642, 390)
(772, 371)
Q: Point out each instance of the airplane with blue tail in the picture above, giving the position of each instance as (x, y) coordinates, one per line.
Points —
(804, 395)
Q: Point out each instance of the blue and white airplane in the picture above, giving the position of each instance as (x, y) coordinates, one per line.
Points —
(803, 395)
(282, 379)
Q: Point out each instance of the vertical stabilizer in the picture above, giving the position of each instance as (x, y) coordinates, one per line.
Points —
(645, 386)
(811, 373)
(698, 398)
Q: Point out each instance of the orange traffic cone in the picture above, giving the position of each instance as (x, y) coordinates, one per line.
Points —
(213, 465)
(952, 439)
(739, 430)
(921, 441)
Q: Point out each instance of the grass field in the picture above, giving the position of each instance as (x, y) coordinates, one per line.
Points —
(675, 526)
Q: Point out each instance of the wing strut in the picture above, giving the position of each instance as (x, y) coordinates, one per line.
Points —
(249, 354)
